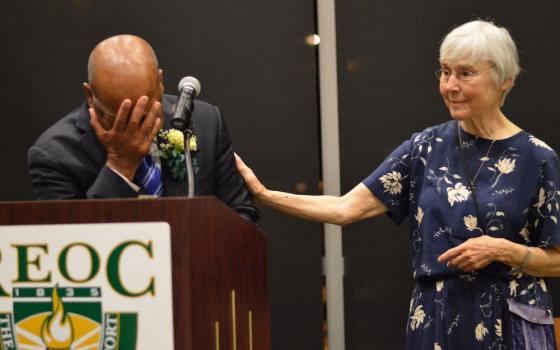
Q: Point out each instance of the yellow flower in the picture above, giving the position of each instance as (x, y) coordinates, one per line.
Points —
(177, 139)
(193, 147)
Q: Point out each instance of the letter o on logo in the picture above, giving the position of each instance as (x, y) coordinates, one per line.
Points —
(63, 262)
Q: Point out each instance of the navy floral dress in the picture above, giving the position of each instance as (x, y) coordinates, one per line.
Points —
(517, 182)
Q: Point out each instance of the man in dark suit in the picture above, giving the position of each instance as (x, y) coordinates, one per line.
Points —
(97, 150)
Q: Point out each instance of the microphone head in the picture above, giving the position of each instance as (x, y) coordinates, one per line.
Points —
(190, 83)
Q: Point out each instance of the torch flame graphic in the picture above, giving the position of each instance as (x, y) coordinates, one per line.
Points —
(57, 331)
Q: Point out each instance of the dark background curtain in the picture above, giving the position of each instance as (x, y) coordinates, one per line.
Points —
(387, 53)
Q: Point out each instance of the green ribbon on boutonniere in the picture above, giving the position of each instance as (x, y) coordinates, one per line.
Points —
(171, 151)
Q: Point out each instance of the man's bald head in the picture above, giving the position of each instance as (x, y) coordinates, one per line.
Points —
(122, 46)
(122, 67)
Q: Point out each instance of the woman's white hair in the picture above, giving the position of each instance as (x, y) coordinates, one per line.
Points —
(478, 41)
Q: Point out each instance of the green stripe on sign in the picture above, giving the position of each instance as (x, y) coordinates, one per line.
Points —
(120, 331)
(128, 331)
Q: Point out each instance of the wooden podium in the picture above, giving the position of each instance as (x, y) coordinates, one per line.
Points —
(219, 263)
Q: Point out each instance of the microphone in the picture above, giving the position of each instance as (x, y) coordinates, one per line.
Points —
(189, 89)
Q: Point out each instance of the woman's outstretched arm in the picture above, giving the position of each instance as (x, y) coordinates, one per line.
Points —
(356, 205)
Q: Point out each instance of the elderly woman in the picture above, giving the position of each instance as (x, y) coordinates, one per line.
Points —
(483, 196)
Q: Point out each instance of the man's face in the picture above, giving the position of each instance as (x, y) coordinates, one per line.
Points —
(106, 100)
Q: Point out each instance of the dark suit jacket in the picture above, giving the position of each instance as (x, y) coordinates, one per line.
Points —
(67, 161)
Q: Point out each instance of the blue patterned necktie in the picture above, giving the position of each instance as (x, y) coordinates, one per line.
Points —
(148, 176)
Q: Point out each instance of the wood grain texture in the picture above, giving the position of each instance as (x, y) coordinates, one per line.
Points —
(214, 251)
(557, 329)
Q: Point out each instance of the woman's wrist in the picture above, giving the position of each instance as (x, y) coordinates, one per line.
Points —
(514, 254)
(265, 196)
(509, 253)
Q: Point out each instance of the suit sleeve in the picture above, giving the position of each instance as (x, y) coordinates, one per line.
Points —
(51, 180)
(230, 186)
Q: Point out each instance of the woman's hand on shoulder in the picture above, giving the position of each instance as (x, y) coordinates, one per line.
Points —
(257, 189)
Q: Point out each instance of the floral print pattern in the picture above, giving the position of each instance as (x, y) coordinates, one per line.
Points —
(480, 331)
(539, 143)
(417, 318)
(459, 193)
(392, 182)
(517, 187)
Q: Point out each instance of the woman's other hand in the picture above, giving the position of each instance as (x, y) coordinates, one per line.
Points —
(474, 254)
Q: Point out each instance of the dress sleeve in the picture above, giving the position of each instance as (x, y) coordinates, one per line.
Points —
(548, 204)
(390, 182)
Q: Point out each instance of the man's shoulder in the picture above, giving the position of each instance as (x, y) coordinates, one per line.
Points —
(67, 129)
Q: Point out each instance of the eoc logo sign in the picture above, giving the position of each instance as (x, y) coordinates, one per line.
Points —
(75, 323)
(101, 286)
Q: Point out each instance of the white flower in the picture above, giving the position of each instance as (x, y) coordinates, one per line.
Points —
(505, 165)
(419, 216)
(458, 194)
(513, 288)
(480, 331)
(439, 285)
(538, 142)
(525, 234)
(418, 318)
(436, 346)
(542, 198)
(542, 283)
(392, 182)
(471, 222)
(498, 328)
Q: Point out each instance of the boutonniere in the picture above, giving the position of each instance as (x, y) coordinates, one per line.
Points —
(172, 151)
